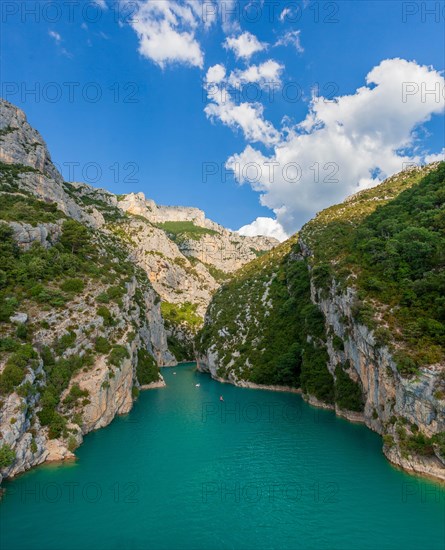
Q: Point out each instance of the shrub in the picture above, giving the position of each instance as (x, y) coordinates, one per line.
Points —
(106, 315)
(7, 456)
(117, 355)
(64, 342)
(348, 394)
(102, 345)
(103, 298)
(315, 377)
(22, 331)
(72, 443)
(337, 343)
(75, 236)
(147, 370)
(135, 392)
(14, 370)
(72, 285)
(74, 394)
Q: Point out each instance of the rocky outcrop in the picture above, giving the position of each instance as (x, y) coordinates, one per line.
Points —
(220, 248)
(22, 144)
(45, 234)
(109, 388)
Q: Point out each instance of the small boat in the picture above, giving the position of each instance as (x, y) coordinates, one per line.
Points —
(174, 373)
(197, 385)
(221, 398)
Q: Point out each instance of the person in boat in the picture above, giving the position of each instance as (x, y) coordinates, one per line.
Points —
(221, 398)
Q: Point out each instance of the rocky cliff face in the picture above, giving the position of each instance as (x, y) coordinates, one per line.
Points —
(392, 402)
(357, 350)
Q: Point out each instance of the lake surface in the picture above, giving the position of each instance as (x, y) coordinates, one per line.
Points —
(260, 470)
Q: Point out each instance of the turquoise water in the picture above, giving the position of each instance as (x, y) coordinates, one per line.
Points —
(261, 470)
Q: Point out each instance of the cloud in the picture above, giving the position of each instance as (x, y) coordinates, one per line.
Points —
(246, 116)
(102, 4)
(216, 74)
(56, 36)
(435, 157)
(291, 38)
(345, 145)
(284, 14)
(245, 45)
(225, 91)
(266, 73)
(264, 226)
(166, 32)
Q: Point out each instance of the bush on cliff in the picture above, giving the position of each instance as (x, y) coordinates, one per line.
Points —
(7, 456)
(348, 394)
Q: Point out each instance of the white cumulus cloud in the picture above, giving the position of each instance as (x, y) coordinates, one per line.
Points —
(166, 32)
(267, 73)
(227, 107)
(244, 45)
(264, 226)
(216, 74)
(345, 145)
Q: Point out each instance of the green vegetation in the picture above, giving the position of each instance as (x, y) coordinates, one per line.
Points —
(348, 394)
(9, 174)
(147, 370)
(6, 130)
(73, 285)
(106, 315)
(259, 323)
(184, 231)
(15, 368)
(74, 395)
(59, 373)
(181, 349)
(92, 200)
(102, 345)
(117, 355)
(7, 456)
(419, 444)
(27, 209)
(177, 314)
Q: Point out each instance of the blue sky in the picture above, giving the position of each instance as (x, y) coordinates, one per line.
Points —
(158, 122)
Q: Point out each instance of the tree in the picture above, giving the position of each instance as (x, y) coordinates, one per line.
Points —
(75, 236)
(7, 456)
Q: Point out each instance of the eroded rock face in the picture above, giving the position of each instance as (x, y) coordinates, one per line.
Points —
(388, 395)
(22, 144)
(220, 248)
(44, 234)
